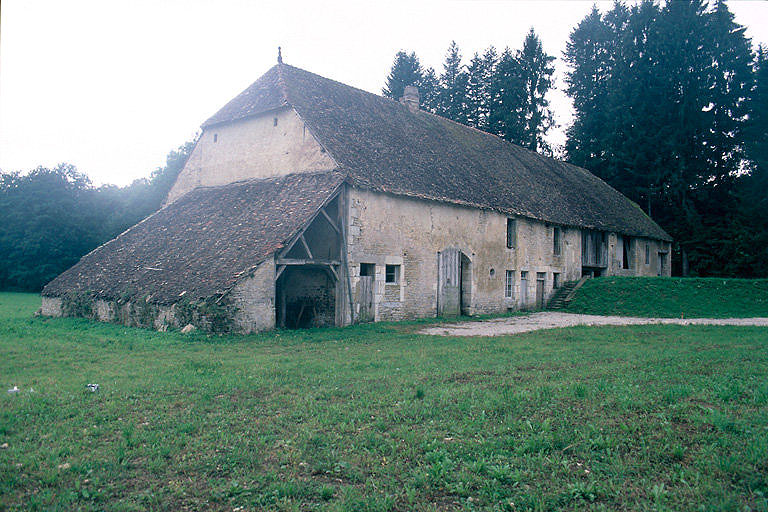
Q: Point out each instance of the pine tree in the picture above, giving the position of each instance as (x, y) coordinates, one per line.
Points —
(591, 54)
(756, 131)
(506, 113)
(660, 98)
(406, 70)
(452, 95)
(429, 90)
(536, 71)
(479, 88)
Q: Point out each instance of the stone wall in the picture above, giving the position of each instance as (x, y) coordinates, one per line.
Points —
(385, 229)
(252, 301)
(271, 144)
(393, 230)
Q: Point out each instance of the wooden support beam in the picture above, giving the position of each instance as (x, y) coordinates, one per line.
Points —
(333, 271)
(300, 261)
(330, 221)
(306, 245)
(280, 270)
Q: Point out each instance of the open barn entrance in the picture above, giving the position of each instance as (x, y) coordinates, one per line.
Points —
(306, 297)
(309, 290)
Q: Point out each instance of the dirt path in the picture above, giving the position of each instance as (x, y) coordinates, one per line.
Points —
(551, 320)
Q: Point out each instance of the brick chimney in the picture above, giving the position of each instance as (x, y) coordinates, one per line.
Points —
(411, 98)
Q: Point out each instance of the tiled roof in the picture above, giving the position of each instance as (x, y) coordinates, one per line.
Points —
(382, 145)
(202, 244)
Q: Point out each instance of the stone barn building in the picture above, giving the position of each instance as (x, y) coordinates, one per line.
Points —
(308, 202)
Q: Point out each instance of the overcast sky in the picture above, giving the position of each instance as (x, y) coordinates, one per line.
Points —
(113, 86)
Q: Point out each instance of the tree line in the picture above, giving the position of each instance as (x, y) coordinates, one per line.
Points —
(51, 217)
(670, 104)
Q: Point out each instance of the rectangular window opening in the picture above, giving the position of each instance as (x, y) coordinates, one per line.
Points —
(367, 269)
(511, 233)
(627, 252)
(392, 274)
(556, 280)
(557, 238)
(647, 254)
(509, 284)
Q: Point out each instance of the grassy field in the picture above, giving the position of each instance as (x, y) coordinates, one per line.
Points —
(378, 418)
(672, 297)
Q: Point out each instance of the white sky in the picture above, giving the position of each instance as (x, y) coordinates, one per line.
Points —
(113, 86)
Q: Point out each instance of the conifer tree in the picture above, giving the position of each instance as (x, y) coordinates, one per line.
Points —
(479, 88)
(660, 95)
(452, 95)
(406, 70)
(536, 71)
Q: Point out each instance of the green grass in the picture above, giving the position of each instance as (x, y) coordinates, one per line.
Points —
(377, 417)
(672, 297)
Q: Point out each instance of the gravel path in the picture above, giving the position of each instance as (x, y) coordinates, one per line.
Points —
(551, 320)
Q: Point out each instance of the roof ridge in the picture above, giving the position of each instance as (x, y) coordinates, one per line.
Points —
(269, 179)
(281, 83)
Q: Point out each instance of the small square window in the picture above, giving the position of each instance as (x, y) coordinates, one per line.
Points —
(392, 274)
(367, 269)
(509, 284)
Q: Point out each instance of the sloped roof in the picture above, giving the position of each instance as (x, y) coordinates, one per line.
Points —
(202, 244)
(381, 145)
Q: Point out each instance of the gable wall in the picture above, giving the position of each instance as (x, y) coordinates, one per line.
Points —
(251, 148)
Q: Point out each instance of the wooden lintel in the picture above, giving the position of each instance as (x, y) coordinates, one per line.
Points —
(330, 220)
(306, 246)
(299, 261)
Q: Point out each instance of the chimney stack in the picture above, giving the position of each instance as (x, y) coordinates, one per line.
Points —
(411, 98)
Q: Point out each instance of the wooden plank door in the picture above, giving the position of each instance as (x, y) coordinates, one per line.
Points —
(449, 282)
(540, 280)
(364, 297)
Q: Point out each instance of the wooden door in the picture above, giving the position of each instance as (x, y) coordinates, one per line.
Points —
(540, 279)
(364, 298)
(523, 289)
(449, 282)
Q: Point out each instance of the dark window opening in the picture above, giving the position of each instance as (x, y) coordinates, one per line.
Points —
(647, 254)
(511, 233)
(215, 137)
(274, 122)
(392, 274)
(627, 252)
(367, 269)
(557, 249)
(556, 280)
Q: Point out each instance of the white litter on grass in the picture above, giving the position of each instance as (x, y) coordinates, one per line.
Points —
(14, 389)
(92, 387)
(553, 320)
